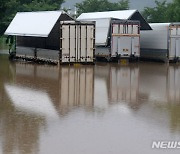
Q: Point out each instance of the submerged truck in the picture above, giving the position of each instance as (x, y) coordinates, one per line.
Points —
(59, 39)
(117, 39)
(161, 43)
(117, 33)
(125, 39)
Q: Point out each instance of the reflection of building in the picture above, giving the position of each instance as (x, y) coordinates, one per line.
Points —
(19, 132)
(160, 82)
(66, 86)
(121, 83)
(36, 95)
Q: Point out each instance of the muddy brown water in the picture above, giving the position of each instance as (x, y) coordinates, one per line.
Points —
(101, 109)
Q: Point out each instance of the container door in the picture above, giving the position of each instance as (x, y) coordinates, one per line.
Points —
(124, 46)
(178, 47)
(65, 43)
(90, 43)
(172, 50)
(83, 44)
(135, 46)
(72, 43)
(178, 41)
(114, 46)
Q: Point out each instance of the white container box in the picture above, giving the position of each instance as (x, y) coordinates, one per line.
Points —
(77, 42)
(162, 43)
(125, 38)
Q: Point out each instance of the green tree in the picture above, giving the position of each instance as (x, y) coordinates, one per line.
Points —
(163, 12)
(101, 5)
(156, 14)
(174, 11)
(8, 9)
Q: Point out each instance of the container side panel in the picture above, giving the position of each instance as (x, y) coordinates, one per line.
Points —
(25, 52)
(154, 39)
(48, 54)
(65, 43)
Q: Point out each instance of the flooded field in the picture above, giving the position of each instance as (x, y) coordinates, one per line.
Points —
(101, 109)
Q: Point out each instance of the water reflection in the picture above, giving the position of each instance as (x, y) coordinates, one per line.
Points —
(45, 105)
(19, 132)
(31, 101)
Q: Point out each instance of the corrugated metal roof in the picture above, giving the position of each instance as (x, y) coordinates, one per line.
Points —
(125, 14)
(38, 24)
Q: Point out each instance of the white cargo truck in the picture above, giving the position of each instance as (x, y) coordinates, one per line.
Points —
(161, 43)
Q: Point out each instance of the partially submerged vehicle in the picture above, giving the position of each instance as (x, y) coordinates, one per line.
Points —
(52, 36)
(162, 43)
(117, 33)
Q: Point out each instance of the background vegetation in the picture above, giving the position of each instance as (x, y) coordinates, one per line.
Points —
(162, 12)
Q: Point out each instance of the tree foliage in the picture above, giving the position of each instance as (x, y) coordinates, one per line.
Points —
(8, 9)
(101, 5)
(163, 12)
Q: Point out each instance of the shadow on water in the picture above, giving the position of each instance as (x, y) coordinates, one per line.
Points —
(33, 95)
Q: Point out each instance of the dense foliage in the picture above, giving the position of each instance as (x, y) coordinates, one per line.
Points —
(163, 12)
(101, 5)
(8, 9)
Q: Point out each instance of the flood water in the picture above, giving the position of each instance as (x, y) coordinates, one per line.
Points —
(100, 109)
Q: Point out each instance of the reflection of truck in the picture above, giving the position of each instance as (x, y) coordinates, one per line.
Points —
(162, 43)
(124, 84)
(77, 86)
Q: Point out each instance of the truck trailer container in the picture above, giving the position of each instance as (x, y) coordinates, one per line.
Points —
(117, 33)
(162, 43)
(52, 36)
